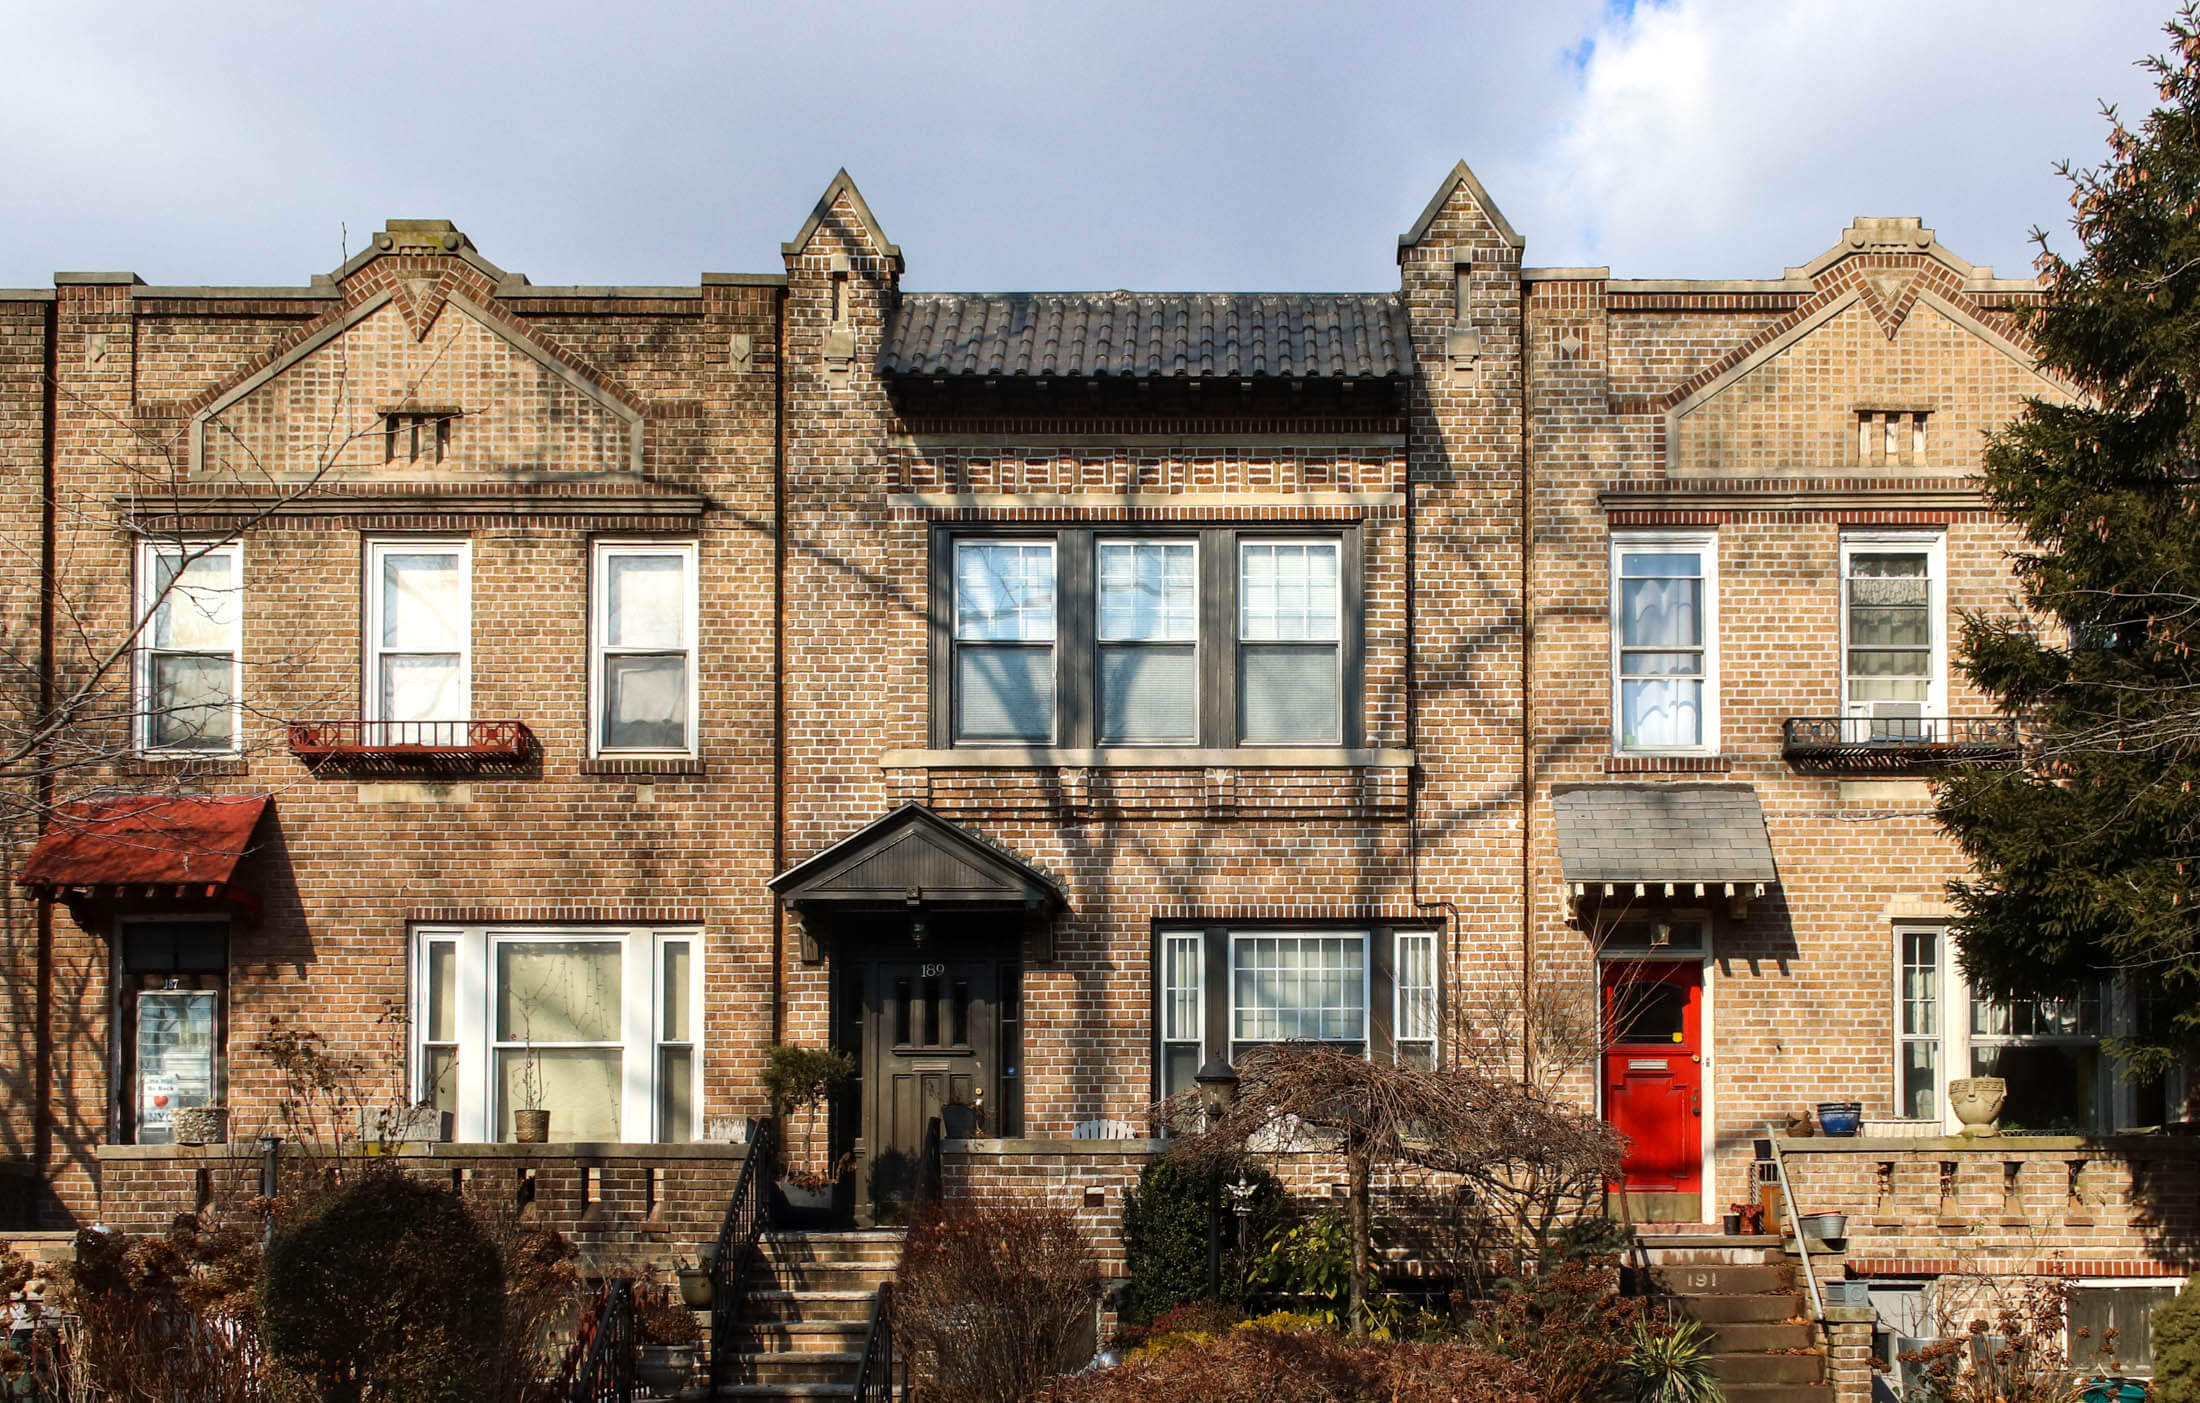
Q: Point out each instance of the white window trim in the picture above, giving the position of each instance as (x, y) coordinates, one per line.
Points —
(1240, 642)
(1435, 1038)
(1100, 642)
(1933, 545)
(1701, 543)
(956, 641)
(1366, 1038)
(599, 608)
(370, 693)
(150, 551)
(2118, 1014)
(641, 968)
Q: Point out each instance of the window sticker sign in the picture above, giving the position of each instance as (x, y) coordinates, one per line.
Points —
(175, 1049)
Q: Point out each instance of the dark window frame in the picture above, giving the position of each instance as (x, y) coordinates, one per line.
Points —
(1076, 627)
(129, 982)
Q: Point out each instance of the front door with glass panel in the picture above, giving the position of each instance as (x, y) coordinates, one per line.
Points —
(171, 1016)
(1653, 1083)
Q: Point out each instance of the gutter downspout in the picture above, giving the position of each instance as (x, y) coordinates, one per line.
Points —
(1527, 693)
(48, 587)
(779, 658)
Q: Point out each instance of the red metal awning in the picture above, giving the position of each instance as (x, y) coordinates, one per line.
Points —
(145, 845)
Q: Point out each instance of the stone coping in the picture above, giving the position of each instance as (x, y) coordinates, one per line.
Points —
(1004, 1148)
(423, 1149)
(1149, 757)
(1989, 1145)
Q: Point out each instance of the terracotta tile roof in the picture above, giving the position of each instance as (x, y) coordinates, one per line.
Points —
(144, 840)
(1288, 335)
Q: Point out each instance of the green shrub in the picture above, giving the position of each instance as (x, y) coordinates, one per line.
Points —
(2176, 1341)
(1165, 1234)
(390, 1290)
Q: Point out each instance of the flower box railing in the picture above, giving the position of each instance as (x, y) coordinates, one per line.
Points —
(1894, 743)
(432, 743)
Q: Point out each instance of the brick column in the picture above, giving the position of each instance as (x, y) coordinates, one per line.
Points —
(1849, 1353)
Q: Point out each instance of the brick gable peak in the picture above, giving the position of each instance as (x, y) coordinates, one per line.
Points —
(413, 238)
(1461, 179)
(843, 207)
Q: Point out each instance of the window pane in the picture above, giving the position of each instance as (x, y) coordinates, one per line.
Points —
(1149, 693)
(676, 1094)
(678, 988)
(646, 597)
(578, 1086)
(2128, 1311)
(1880, 627)
(201, 611)
(1004, 591)
(1661, 613)
(1416, 991)
(1179, 1067)
(1180, 988)
(1004, 693)
(1634, 663)
(1287, 590)
(1891, 568)
(1921, 1079)
(191, 696)
(645, 702)
(441, 1071)
(1921, 982)
(2051, 1086)
(1149, 592)
(423, 602)
(1661, 713)
(1288, 694)
(1299, 986)
(421, 688)
(175, 1058)
(1874, 662)
(1661, 565)
(551, 991)
(441, 1020)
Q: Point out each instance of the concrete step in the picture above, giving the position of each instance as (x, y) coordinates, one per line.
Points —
(811, 1367)
(1769, 1368)
(1744, 1309)
(800, 1336)
(824, 1276)
(1758, 1336)
(776, 1304)
(1723, 1280)
(1714, 1252)
(868, 1245)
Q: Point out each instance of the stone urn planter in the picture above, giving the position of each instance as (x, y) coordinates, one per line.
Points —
(202, 1125)
(665, 1368)
(1976, 1102)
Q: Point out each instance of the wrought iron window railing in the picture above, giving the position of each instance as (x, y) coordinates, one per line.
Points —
(1897, 742)
(317, 742)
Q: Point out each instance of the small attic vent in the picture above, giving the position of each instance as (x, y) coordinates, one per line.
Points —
(1886, 437)
(414, 434)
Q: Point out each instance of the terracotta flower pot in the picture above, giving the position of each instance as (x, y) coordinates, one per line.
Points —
(1977, 1101)
(531, 1127)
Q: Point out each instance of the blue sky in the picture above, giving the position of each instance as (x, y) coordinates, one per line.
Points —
(1133, 143)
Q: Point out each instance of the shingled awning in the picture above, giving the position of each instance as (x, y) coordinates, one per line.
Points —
(1242, 335)
(1668, 840)
(146, 845)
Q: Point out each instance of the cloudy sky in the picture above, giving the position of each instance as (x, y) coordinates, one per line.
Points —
(1157, 144)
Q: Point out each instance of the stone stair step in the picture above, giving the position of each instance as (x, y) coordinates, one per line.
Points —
(849, 1247)
(1769, 1368)
(776, 1304)
(813, 1367)
(800, 1336)
(1743, 1309)
(1729, 1252)
(825, 1276)
(1777, 1393)
(775, 1393)
(1756, 1336)
(1723, 1280)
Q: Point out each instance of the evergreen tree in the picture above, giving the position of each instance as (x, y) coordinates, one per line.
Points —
(2087, 857)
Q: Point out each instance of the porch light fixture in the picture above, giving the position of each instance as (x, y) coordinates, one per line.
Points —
(1217, 1081)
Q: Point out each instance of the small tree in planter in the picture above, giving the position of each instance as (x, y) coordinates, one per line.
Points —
(805, 1079)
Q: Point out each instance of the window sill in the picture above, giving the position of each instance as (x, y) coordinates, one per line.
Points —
(1144, 757)
(643, 765)
(178, 763)
(1668, 764)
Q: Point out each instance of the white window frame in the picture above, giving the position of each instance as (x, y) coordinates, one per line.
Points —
(1240, 642)
(1366, 1038)
(956, 641)
(1434, 1039)
(1933, 546)
(1101, 642)
(149, 552)
(641, 1017)
(599, 620)
(1705, 546)
(370, 694)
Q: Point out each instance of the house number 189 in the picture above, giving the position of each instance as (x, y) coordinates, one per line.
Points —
(934, 971)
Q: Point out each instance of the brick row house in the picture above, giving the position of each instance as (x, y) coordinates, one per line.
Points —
(554, 696)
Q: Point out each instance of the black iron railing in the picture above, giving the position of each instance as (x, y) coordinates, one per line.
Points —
(1896, 742)
(733, 1266)
(875, 1375)
(606, 1344)
(397, 744)
(927, 1192)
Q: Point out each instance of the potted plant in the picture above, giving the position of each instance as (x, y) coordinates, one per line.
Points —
(805, 1079)
(694, 1283)
(202, 1125)
(530, 1119)
(666, 1360)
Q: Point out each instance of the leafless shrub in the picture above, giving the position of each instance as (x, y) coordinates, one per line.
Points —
(995, 1298)
(1248, 1364)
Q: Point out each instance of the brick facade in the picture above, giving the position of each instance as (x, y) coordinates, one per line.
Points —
(1543, 410)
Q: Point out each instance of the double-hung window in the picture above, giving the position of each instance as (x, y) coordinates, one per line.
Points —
(191, 602)
(1891, 673)
(1084, 637)
(643, 687)
(1222, 991)
(1665, 643)
(419, 639)
(595, 1025)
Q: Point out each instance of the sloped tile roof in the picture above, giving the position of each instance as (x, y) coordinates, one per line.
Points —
(1335, 335)
(144, 840)
(1662, 833)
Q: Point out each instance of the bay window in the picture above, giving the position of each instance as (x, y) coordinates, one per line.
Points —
(642, 663)
(419, 637)
(594, 1025)
(188, 669)
(1665, 643)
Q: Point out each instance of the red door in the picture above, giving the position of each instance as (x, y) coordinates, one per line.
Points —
(1653, 1082)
